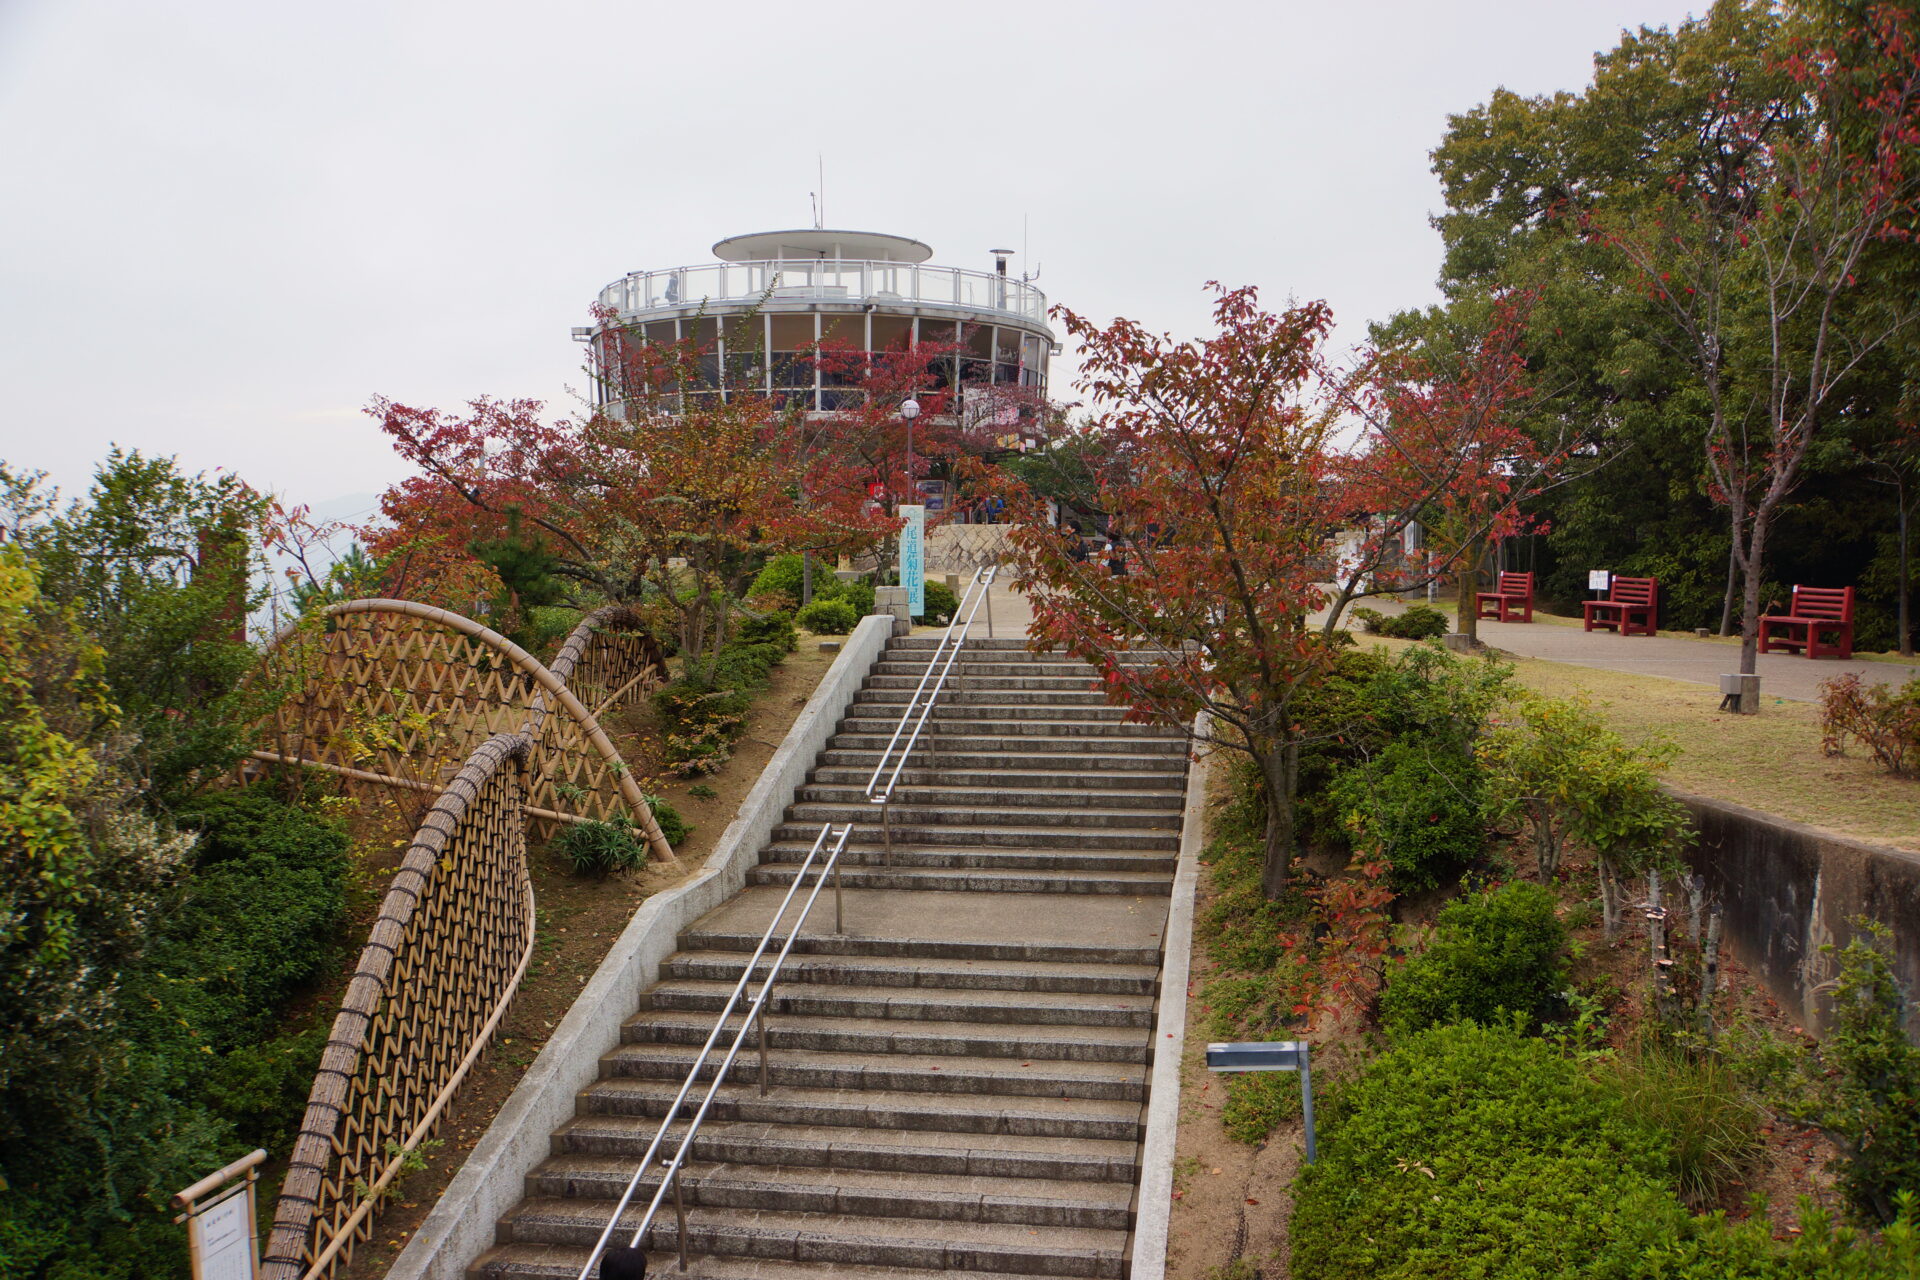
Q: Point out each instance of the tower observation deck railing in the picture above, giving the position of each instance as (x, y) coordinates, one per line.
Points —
(884, 284)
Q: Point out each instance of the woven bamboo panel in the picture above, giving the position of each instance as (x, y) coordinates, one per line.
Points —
(406, 696)
(445, 956)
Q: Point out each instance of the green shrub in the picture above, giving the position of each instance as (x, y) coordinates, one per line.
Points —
(1475, 1151)
(1711, 1248)
(774, 627)
(858, 594)
(827, 617)
(1494, 954)
(1418, 622)
(1876, 1110)
(785, 575)
(1712, 1127)
(941, 603)
(601, 848)
(546, 626)
(1419, 806)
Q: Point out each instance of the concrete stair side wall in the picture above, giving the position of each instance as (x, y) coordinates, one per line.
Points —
(461, 1226)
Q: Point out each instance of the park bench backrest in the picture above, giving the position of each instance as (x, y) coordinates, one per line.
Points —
(1823, 602)
(1633, 591)
(1516, 584)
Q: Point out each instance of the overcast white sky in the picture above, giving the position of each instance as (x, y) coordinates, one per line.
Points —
(225, 226)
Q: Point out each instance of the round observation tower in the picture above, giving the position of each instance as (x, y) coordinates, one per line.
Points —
(774, 298)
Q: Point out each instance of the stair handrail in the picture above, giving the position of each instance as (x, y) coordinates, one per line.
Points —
(755, 1009)
(956, 634)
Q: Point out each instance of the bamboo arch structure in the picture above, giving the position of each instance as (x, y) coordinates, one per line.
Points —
(455, 931)
(398, 693)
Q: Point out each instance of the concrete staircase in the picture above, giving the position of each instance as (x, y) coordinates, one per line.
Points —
(956, 1085)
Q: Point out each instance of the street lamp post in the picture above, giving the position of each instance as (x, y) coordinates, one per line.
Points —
(909, 410)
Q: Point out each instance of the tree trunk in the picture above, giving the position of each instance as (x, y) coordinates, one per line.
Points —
(1906, 576)
(1750, 596)
(1280, 768)
(1466, 610)
(1733, 582)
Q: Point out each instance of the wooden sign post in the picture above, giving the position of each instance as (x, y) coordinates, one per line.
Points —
(223, 1238)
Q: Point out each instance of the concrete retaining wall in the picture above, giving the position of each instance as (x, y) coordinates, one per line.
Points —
(1791, 889)
(461, 1226)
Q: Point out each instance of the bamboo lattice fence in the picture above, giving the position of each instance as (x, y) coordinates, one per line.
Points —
(396, 693)
(446, 954)
(386, 693)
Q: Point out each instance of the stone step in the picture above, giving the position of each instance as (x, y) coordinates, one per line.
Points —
(1019, 752)
(976, 975)
(1089, 817)
(885, 1110)
(955, 706)
(824, 1033)
(563, 1262)
(1169, 779)
(1000, 797)
(1070, 693)
(981, 880)
(912, 949)
(986, 668)
(939, 1004)
(972, 680)
(953, 732)
(815, 1237)
(1081, 861)
(978, 836)
(849, 1193)
(902, 1151)
(894, 1073)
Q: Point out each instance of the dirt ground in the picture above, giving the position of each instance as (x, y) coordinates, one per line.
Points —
(577, 919)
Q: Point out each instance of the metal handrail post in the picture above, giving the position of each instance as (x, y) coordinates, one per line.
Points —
(713, 1037)
(763, 1043)
(754, 1011)
(680, 1219)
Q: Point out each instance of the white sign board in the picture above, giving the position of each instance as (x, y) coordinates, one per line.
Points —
(223, 1239)
(1599, 579)
(913, 558)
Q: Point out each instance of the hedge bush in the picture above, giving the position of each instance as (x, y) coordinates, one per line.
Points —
(774, 627)
(1420, 805)
(1418, 622)
(941, 603)
(829, 617)
(1492, 955)
(1475, 1151)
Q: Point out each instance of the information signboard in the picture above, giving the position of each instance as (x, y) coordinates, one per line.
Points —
(1599, 579)
(225, 1241)
(913, 558)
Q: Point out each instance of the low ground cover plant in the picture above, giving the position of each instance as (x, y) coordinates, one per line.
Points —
(1417, 622)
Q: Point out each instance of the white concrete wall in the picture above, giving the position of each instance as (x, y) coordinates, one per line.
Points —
(492, 1181)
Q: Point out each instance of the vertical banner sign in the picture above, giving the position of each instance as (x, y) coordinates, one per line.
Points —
(913, 558)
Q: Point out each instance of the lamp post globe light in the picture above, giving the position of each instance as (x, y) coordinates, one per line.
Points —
(773, 298)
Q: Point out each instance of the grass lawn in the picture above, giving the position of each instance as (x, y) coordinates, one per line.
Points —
(1771, 762)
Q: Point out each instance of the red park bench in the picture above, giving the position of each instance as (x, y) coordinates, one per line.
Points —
(1814, 610)
(1627, 598)
(1515, 594)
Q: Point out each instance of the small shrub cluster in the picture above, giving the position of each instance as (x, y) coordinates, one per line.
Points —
(1418, 622)
(705, 710)
(1885, 721)
(1493, 956)
(783, 575)
(602, 848)
(773, 627)
(1420, 806)
(827, 617)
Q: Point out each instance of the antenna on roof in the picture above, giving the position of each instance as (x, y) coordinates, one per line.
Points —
(820, 206)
